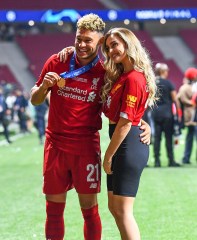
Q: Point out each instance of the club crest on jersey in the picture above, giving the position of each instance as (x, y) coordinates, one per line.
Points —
(131, 100)
(94, 83)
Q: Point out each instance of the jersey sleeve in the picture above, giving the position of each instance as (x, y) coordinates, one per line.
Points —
(130, 99)
(46, 68)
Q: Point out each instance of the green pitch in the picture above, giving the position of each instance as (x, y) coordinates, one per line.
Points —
(165, 208)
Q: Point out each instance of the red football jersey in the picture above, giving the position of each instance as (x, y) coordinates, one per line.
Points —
(75, 109)
(127, 98)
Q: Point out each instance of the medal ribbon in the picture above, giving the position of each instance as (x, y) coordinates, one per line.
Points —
(74, 73)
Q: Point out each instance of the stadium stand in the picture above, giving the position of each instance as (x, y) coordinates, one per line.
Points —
(175, 74)
(155, 4)
(6, 76)
(189, 36)
(51, 4)
(38, 48)
(148, 43)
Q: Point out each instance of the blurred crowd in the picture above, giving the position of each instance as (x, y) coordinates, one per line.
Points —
(173, 113)
(8, 32)
(17, 111)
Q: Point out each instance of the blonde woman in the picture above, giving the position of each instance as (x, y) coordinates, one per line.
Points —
(129, 87)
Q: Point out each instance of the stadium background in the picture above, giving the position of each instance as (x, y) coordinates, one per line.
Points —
(166, 201)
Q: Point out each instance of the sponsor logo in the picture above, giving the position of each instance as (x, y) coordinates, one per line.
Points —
(131, 100)
(93, 185)
(73, 93)
(91, 97)
(76, 93)
(75, 90)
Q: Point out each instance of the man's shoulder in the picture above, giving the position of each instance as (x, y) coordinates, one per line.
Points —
(53, 64)
(55, 59)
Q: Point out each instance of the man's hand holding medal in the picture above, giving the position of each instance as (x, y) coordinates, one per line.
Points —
(50, 79)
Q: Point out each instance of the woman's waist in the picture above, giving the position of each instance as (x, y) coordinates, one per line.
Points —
(135, 131)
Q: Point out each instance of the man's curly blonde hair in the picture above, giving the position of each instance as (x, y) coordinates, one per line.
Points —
(92, 22)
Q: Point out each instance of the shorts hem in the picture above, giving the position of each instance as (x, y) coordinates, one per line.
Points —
(94, 192)
(56, 192)
(125, 194)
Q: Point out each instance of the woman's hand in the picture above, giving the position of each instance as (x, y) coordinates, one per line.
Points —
(63, 54)
(145, 137)
(107, 163)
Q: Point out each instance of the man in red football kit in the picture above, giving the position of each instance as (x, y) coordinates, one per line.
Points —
(72, 146)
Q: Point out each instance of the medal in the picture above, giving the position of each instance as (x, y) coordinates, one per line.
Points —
(61, 82)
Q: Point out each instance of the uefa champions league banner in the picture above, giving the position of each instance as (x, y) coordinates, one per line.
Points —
(72, 15)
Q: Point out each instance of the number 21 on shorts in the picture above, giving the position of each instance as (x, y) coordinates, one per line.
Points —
(93, 173)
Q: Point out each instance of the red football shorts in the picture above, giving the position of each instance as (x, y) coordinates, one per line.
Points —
(62, 171)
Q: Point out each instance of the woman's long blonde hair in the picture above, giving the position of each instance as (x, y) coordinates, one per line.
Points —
(137, 55)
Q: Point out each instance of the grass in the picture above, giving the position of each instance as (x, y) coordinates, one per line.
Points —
(165, 207)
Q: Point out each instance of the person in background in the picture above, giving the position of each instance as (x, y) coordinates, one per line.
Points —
(5, 115)
(186, 96)
(194, 102)
(72, 146)
(40, 122)
(163, 116)
(20, 106)
(129, 88)
(10, 100)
